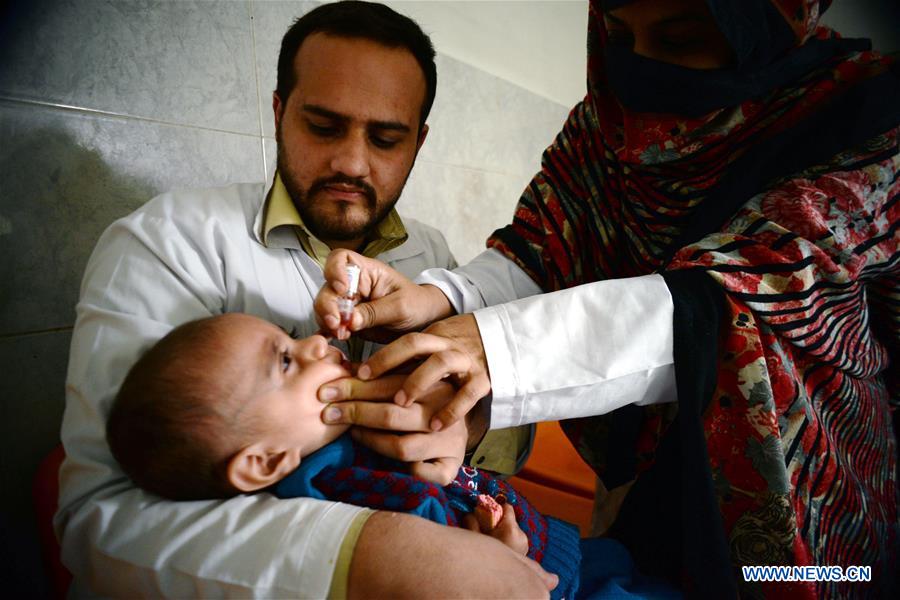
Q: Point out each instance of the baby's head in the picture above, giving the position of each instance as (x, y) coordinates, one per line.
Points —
(221, 406)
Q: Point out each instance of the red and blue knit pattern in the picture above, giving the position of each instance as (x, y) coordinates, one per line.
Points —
(345, 472)
(379, 488)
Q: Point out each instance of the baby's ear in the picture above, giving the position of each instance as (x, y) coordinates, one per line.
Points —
(257, 467)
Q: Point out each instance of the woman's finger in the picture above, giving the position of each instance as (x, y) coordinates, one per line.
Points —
(437, 367)
(414, 447)
(402, 350)
(441, 471)
(377, 415)
(352, 388)
(467, 397)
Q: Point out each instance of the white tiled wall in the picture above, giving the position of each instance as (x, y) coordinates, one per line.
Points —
(106, 103)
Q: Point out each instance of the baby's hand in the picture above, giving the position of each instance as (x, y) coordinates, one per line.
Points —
(507, 530)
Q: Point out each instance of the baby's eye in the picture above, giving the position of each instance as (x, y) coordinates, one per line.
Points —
(285, 361)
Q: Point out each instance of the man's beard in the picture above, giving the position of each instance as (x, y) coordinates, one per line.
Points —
(326, 225)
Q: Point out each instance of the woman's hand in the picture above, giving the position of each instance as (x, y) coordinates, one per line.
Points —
(399, 432)
(451, 349)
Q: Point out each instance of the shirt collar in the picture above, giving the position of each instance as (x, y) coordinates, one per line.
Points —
(282, 227)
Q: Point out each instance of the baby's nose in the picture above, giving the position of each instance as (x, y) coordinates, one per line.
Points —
(312, 349)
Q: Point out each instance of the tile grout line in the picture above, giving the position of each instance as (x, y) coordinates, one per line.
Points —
(259, 116)
(5, 336)
(107, 113)
(262, 138)
(475, 169)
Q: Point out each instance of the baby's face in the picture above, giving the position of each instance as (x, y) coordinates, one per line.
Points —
(279, 378)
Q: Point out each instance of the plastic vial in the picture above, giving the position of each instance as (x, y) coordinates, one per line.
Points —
(351, 297)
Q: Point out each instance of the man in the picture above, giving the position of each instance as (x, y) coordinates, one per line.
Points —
(355, 84)
(716, 224)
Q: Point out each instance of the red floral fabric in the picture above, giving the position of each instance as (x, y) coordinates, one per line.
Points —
(799, 430)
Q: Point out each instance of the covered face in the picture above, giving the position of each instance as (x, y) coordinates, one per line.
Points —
(691, 57)
(678, 32)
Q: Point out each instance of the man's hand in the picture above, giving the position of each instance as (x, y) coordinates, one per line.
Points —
(399, 432)
(404, 556)
(452, 349)
(390, 303)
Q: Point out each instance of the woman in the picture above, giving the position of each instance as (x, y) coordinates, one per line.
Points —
(751, 158)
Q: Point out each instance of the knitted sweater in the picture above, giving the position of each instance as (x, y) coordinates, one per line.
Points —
(346, 472)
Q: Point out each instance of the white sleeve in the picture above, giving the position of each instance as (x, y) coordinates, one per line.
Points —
(489, 279)
(579, 352)
(119, 541)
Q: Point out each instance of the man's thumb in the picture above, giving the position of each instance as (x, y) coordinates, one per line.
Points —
(387, 312)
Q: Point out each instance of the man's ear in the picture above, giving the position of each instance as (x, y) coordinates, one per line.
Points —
(277, 108)
(422, 135)
(257, 467)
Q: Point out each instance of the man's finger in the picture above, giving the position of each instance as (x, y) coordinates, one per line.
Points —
(351, 388)
(335, 269)
(509, 516)
(509, 532)
(549, 579)
(390, 313)
(366, 314)
(326, 311)
(336, 284)
(471, 523)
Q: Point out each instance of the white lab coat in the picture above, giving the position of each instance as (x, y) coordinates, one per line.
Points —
(181, 257)
(579, 352)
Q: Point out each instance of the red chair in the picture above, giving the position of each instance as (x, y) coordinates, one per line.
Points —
(556, 480)
(45, 494)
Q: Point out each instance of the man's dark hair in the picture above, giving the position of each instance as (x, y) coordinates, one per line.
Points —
(171, 414)
(355, 19)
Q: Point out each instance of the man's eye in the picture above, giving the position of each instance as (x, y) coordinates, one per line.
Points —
(323, 130)
(285, 362)
(383, 142)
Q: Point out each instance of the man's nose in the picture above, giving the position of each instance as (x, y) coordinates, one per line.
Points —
(352, 156)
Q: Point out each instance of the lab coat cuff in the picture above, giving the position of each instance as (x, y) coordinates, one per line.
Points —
(500, 351)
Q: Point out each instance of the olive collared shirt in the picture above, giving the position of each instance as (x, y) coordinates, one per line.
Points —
(503, 450)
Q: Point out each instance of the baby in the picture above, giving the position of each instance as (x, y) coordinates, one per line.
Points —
(221, 406)
(228, 405)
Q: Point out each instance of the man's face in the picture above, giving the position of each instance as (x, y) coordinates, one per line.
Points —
(349, 133)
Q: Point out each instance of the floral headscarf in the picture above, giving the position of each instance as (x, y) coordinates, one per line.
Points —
(775, 221)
